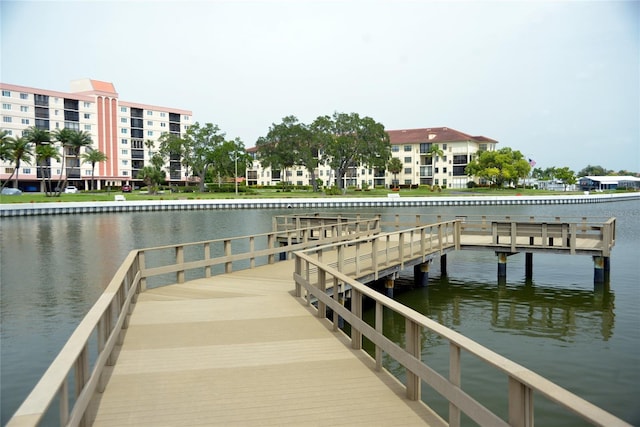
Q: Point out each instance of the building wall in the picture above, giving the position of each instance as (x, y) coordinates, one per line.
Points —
(103, 115)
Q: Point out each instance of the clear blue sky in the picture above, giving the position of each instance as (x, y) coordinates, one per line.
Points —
(559, 81)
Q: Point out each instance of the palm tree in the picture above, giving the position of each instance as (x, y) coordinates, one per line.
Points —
(93, 157)
(41, 138)
(394, 166)
(18, 150)
(78, 140)
(5, 140)
(63, 136)
(434, 151)
(44, 154)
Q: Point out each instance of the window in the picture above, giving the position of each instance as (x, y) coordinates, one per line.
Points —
(444, 170)
(123, 120)
(6, 119)
(407, 171)
(24, 108)
(395, 149)
(299, 173)
(124, 141)
(444, 147)
(149, 123)
(26, 170)
(187, 118)
(25, 121)
(407, 148)
(6, 106)
(435, 181)
(124, 152)
(460, 159)
(163, 124)
(87, 127)
(436, 170)
(123, 130)
(24, 96)
(444, 182)
(482, 147)
(6, 93)
(123, 109)
(125, 173)
(87, 104)
(125, 162)
(87, 115)
(407, 159)
(163, 114)
(149, 113)
(149, 133)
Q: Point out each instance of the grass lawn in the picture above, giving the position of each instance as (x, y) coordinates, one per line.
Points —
(101, 196)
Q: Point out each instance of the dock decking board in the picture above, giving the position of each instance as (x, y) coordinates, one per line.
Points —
(222, 351)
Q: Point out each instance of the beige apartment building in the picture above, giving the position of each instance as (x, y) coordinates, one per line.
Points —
(120, 129)
(413, 148)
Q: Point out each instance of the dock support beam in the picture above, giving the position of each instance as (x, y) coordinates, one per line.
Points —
(528, 266)
(421, 274)
(388, 284)
(443, 265)
(601, 267)
(502, 266)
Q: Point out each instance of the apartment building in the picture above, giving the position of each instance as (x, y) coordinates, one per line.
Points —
(122, 130)
(414, 149)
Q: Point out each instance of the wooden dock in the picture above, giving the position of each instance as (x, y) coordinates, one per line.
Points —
(238, 349)
(249, 342)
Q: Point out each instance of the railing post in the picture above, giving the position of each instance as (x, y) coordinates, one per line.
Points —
(63, 393)
(141, 267)
(413, 347)
(379, 322)
(356, 309)
(322, 286)
(228, 266)
(454, 378)
(252, 248)
(336, 298)
(271, 245)
(374, 257)
(207, 255)
(81, 373)
(180, 260)
(298, 270)
(520, 404)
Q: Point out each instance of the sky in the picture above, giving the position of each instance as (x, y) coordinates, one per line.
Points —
(558, 81)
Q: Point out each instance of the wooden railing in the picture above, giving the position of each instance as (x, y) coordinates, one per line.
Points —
(102, 328)
(314, 276)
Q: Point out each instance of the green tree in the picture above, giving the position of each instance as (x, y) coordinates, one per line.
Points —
(348, 140)
(434, 151)
(63, 136)
(594, 171)
(230, 160)
(78, 140)
(44, 154)
(93, 157)
(394, 166)
(16, 150)
(501, 167)
(5, 145)
(566, 175)
(290, 143)
(196, 148)
(152, 176)
(42, 138)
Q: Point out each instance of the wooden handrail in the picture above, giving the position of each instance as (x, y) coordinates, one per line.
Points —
(522, 381)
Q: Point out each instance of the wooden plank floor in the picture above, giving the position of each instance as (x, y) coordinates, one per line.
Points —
(239, 349)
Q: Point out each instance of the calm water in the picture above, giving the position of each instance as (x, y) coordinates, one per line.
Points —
(54, 268)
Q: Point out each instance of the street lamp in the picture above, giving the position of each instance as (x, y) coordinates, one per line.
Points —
(235, 153)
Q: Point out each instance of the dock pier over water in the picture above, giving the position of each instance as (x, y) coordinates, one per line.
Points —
(232, 332)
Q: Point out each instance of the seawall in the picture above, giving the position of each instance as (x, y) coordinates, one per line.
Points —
(62, 208)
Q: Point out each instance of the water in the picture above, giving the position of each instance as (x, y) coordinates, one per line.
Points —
(54, 268)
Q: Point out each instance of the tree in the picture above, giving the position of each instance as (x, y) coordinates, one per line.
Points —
(566, 175)
(290, 143)
(78, 140)
(230, 160)
(63, 136)
(42, 138)
(5, 142)
(18, 150)
(594, 171)
(152, 176)
(44, 154)
(433, 151)
(501, 167)
(93, 157)
(196, 148)
(395, 166)
(348, 140)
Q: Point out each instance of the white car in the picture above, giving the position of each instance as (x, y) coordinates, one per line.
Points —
(70, 189)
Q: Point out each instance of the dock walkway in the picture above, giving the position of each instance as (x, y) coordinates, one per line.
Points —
(222, 351)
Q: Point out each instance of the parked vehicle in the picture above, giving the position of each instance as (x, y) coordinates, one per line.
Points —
(126, 188)
(70, 189)
(11, 192)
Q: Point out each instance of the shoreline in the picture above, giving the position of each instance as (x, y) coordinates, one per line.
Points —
(62, 208)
